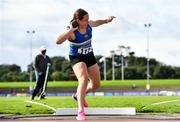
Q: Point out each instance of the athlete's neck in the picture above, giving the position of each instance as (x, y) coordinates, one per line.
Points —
(82, 30)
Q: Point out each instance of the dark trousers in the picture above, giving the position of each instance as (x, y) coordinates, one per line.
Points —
(39, 84)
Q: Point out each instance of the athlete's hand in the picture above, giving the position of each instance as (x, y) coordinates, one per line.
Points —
(74, 25)
(110, 18)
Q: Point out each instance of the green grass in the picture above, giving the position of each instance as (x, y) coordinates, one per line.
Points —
(16, 105)
(116, 83)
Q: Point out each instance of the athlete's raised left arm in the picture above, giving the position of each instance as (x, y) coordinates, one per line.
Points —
(97, 23)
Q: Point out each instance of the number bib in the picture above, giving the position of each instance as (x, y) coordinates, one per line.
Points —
(85, 51)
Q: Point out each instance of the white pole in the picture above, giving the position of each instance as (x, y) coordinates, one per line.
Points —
(113, 72)
(30, 88)
(122, 67)
(31, 60)
(148, 73)
(105, 68)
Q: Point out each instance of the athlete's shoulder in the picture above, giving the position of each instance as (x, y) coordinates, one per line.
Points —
(89, 26)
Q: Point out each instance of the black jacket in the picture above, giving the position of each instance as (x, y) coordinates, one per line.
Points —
(41, 62)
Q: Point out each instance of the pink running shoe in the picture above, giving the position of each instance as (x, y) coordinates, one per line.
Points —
(74, 96)
(81, 116)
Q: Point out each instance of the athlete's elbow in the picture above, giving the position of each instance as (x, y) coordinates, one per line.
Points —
(58, 42)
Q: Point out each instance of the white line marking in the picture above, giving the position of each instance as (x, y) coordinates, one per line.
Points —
(98, 111)
(37, 103)
(158, 103)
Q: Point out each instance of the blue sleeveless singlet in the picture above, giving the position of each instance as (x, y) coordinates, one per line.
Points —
(82, 43)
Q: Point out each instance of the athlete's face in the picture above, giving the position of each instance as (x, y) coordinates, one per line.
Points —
(84, 22)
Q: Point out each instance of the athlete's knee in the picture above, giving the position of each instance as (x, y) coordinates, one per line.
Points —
(83, 79)
(96, 84)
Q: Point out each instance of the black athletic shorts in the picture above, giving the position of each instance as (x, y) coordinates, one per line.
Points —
(88, 59)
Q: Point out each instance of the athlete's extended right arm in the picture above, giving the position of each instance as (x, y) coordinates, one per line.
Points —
(64, 36)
